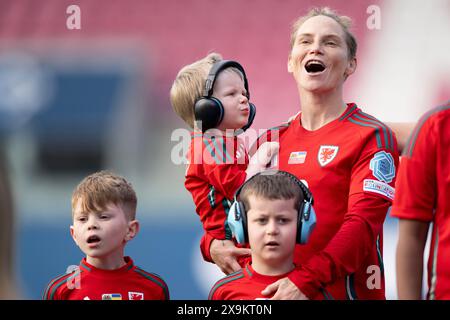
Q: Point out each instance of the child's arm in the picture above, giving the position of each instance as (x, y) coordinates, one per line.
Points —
(411, 243)
(227, 178)
(262, 158)
(221, 252)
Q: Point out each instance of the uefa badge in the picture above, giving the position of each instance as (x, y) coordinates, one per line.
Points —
(326, 154)
(383, 166)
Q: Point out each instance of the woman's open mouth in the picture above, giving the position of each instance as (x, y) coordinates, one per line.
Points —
(314, 66)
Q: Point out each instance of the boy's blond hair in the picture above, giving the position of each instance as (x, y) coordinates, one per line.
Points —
(100, 189)
(344, 21)
(189, 85)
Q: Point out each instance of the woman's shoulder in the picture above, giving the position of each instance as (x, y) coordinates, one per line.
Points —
(369, 127)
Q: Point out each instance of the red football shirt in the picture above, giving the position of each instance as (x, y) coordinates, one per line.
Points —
(350, 166)
(216, 169)
(245, 284)
(423, 192)
(89, 283)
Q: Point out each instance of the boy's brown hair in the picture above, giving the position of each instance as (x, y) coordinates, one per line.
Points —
(272, 185)
(100, 189)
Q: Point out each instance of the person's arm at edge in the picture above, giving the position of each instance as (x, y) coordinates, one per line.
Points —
(409, 258)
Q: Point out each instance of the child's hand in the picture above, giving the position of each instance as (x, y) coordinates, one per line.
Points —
(261, 160)
(265, 153)
(224, 254)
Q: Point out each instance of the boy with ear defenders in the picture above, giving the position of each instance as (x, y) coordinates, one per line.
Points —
(272, 212)
(211, 95)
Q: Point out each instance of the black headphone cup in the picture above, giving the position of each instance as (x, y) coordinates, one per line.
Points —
(209, 111)
(212, 118)
(220, 109)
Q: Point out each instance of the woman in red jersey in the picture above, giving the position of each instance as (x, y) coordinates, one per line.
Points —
(349, 161)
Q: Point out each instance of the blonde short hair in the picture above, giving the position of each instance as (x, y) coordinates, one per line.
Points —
(344, 21)
(189, 85)
(100, 189)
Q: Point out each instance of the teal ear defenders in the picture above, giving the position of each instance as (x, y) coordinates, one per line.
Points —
(306, 222)
(208, 109)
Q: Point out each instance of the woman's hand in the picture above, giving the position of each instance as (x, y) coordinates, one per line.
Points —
(284, 289)
(224, 253)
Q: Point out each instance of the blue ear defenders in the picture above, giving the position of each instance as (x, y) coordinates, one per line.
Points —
(208, 109)
(306, 222)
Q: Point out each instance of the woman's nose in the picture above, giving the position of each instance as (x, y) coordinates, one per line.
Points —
(315, 47)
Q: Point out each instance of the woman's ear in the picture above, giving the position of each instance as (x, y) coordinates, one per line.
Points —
(290, 66)
(133, 229)
(351, 68)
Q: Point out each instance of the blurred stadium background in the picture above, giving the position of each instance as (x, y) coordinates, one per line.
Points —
(76, 101)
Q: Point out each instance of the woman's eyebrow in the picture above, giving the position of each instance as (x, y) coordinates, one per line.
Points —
(304, 35)
(332, 36)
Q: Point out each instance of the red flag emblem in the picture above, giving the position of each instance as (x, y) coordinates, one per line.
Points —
(326, 154)
(135, 296)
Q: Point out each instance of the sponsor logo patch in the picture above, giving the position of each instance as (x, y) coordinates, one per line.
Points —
(383, 166)
(297, 157)
(382, 188)
(326, 154)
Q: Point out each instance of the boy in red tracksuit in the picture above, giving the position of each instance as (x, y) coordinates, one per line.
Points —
(211, 95)
(273, 205)
(104, 211)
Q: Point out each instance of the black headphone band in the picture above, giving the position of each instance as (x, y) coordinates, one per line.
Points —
(216, 69)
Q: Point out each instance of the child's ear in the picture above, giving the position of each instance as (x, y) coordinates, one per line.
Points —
(72, 233)
(133, 229)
